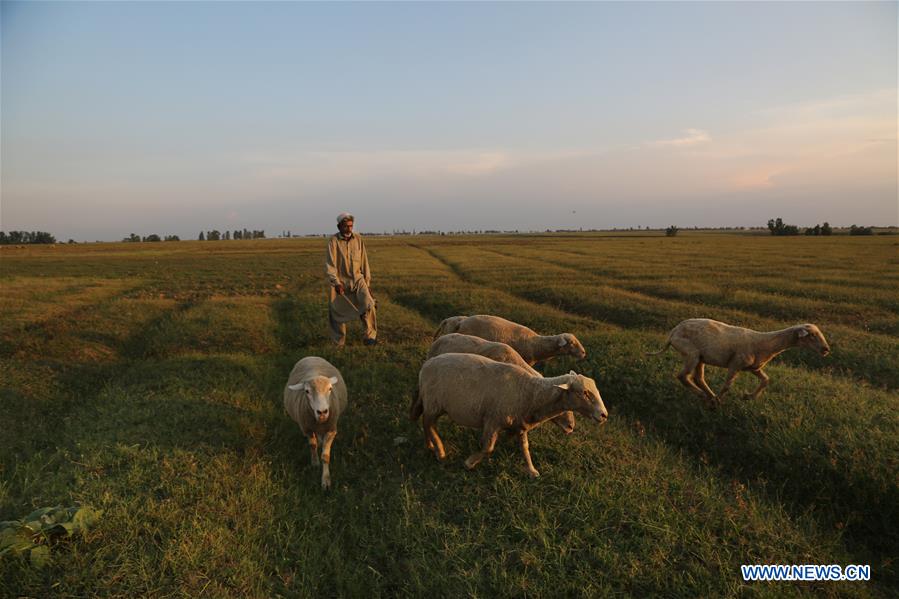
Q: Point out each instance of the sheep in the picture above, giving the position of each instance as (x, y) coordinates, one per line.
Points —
(531, 346)
(500, 352)
(315, 396)
(702, 341)
(478, 392)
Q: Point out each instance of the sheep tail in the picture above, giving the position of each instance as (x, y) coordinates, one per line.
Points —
(661, 351)
(417, 407)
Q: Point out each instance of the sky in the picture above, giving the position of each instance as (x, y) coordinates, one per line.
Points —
(177, 117)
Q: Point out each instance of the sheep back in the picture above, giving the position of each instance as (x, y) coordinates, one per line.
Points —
(495, 328)
(469, 344)
(472, 389)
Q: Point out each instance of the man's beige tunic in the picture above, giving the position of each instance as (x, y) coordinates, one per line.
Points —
(346, 262)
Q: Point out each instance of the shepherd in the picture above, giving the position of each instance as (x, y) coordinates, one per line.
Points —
(346, 265)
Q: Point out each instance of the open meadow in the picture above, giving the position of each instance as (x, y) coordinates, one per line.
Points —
(146, 380)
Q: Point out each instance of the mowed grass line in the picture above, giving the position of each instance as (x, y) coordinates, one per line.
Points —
(208, 489)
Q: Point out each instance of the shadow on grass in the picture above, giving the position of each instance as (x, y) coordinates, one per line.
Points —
(300, 322)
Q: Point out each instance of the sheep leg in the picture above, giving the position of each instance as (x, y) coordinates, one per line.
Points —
(732, 373)
(763, 382)
(313, 448)
(699, 380)
(685, 376)
(488, 442)
(326, 459)
(525, 449)
(431, 436)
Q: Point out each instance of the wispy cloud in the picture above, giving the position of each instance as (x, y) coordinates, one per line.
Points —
(337, 168)
(691, 137)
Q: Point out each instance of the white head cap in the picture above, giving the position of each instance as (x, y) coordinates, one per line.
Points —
(344, 216)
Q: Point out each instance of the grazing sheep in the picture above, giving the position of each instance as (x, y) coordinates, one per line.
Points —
(315, 397)
(500, 352)
(531, 346)
(478, 392)
(702, 341)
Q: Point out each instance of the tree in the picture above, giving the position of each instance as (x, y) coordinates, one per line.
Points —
(214, 235)
(133, 238)
(671, 231)
(172, 238)
(825, 229)
(153, 237)
(227, 235)
(14, 237)
(202, 236)
(854, 230)
(778, 227)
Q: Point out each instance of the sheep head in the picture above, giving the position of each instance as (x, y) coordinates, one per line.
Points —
(318, 394)
(810, 336)
(582, 396)
(571, 346)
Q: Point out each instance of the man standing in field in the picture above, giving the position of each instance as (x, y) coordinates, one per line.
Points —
(346, 265)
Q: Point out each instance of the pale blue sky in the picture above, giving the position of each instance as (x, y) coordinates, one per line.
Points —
(176, 117)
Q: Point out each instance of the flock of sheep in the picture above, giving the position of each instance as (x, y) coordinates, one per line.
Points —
(479, 372)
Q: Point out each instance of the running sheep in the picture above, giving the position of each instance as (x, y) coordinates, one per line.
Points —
(702, 341)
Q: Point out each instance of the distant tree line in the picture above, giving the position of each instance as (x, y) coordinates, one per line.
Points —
(16, 237)
(216, 235)
(819, 229)
(778, 227)
(134, 238)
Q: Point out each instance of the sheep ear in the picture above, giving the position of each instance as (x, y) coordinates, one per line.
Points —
(333, 380)
(563, 386)
(572, 373)
(802, 333)
(563, 342)
(296, 387)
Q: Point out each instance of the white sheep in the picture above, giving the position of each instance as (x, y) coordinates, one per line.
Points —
(500, 352)
(531, 346)
(315, 396)
(702, 341)
(478, 392)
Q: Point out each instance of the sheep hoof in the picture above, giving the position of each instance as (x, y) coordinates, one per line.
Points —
(326, 483)
(533, 473)
(315, 461)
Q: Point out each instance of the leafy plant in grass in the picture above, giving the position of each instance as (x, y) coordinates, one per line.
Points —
(32, 535)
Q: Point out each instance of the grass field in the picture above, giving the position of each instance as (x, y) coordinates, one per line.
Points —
(145, 380)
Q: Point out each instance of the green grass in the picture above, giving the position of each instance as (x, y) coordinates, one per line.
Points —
(145, 380)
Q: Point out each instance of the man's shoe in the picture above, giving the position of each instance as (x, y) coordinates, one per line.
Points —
(370, 341)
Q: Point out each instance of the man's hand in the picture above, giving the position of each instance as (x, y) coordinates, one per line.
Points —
(339, 288)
